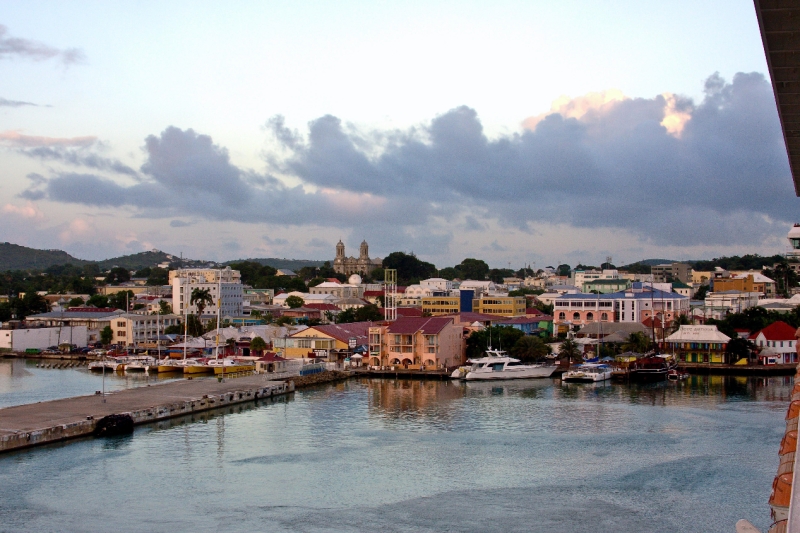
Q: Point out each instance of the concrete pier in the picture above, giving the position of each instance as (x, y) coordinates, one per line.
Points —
(40, 423)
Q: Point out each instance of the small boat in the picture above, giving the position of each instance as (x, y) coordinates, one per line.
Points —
(228, 365)
(498, 365)
(169, 365)
(111, 364)
(675, 375)
(588, 373)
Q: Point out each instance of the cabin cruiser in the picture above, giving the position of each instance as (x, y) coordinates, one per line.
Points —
(588, 373)
(498, 365)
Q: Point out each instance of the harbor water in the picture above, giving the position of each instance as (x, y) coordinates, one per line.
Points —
(403, 455)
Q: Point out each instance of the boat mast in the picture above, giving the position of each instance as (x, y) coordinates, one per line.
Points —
(219, 306)
(184, 287)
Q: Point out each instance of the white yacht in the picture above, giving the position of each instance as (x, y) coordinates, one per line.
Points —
(588, 373)
(498, 365)
(141, 364)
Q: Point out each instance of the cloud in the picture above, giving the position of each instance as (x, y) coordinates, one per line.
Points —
(179, 224)
(14, 103)
(319, 243)
(666, 170)
(16, 139)
(79, 158)
(29, 211)
(14, 47)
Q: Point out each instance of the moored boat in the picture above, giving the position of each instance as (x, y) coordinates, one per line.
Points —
(197, 366)
(648, 369)
(227, 365)
(588, 373)
(498, 365)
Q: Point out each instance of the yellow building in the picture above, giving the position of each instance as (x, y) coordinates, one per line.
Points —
(701, 276)
(441, 305)
(500, 305)
(321, 340)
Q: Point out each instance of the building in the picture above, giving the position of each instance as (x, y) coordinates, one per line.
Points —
(606, 286)
(745, 282)
(340, 290)
(224, 286)
(136, 330)
(430, 342)
(793, 255)
(19, 340)
(480, 287)
(777, 340)
(579, 277)
(699, 344)
(441, 305)
(95, 319)
(683, 289)
(438, 284)
(350, 265)
(632, 305)
(672, 271)
(323, 340)
(500, 305)
(731, 301)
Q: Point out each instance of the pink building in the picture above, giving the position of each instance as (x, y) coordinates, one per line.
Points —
(413, 342)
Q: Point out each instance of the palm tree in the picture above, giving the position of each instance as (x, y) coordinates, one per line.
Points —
(530, 348)
(569, 350)
(201, 297)
(637, 342)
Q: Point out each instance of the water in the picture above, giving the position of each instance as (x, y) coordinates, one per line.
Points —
(396, 456)
(22, 383)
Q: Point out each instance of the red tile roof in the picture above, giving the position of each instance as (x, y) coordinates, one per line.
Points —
(322, 307)
(406, 311)
(427, 325)
(343, 332)
(777, 331)
(270, 357)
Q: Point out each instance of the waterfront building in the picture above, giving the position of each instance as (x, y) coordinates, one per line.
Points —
(777, 340)
(224, 286)
(632, 305)
(433, 342)
(21, 339)
(698, 344)
(322, 340)
(500, 305)
(134, 329)
(350, 265)
(94, 318)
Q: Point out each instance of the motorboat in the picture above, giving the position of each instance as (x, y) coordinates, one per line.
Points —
(228, 365)
(498, 365)
(587, 373)
(460, 372)
(676, 375)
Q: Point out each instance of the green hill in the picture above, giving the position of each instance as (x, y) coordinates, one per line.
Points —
(139, 261)
(16, 257)
(274, 262)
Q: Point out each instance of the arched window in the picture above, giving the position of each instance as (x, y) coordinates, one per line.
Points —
(589, 316)
(576, 316)
(604, 316)
(562, 316)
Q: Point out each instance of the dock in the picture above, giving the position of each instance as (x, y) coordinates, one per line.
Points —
(24, 426)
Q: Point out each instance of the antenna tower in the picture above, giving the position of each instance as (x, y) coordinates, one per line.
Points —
(390, 294)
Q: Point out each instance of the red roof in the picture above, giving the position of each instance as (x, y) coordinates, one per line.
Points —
(533, 311)
(406, 311)
(343, 332)
(270, 357)
(777, 331)
(477, 317)
(373, 293)
(333, 280)
(427, 325)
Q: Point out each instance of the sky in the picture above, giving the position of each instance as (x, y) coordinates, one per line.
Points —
(519, 132)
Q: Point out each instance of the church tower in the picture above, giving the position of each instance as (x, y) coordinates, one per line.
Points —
(364, 251)
(340, 250)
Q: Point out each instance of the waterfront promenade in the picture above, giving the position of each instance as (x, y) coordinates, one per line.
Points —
(40, 423)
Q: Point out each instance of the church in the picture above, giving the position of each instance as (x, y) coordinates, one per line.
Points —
(351, 265)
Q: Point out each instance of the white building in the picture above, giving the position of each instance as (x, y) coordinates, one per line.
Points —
(133, 330)
(579, 277)
(224, 286)
(438, 284)
(340, 290)
(19, 340)
(731, 301)
(480, 287)
(308, 298)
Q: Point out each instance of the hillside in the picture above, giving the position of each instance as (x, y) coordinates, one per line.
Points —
(274, 262)
(16, 257)
(138, 261)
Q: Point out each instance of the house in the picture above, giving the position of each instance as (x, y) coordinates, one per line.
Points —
(528, 326)
(324, 340)
(430, 342)
(777, 340)
(699, 344)
(438, 284)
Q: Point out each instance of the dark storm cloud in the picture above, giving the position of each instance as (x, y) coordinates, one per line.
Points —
(11, 47)
(615, 167)
(186, 173)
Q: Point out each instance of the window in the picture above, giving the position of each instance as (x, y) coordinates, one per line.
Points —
(576, 316)
(604, 316)
(562, 316)
(590, 316)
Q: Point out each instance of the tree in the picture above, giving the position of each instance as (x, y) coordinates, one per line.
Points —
(118, 275)
(530, 349)
(76, 302)
(563, 270)
(739, 348)
(409, 268)
(495, 336)
(106, 334)
(368, 313)
(449, 273)
(497, 274)
(471, 268)
(194, 328)
(678, 321)
(201, 298)
(158, 276)
(258, 345)
(637, 342)
(175, 329)
(294, 302)
(121, 299)
(569, 350)
(701, 292)
(98, 300)
(164, 308)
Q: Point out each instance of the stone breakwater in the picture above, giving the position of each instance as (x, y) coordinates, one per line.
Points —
(329, 376)
(41, 423)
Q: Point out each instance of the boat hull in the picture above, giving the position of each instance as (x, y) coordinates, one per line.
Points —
(198, 369)
(526, 373)
(233, 368)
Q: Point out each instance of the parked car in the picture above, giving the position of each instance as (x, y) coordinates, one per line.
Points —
(97, 351)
